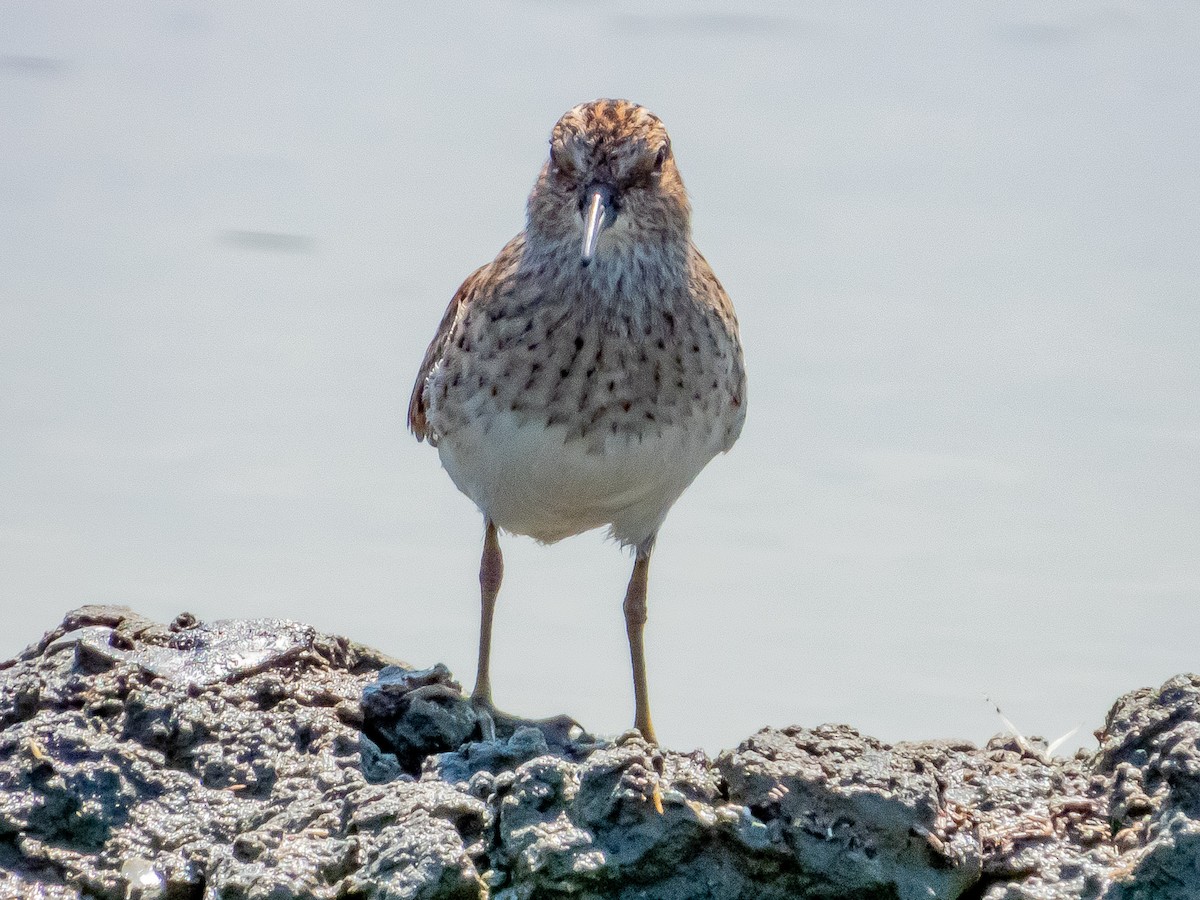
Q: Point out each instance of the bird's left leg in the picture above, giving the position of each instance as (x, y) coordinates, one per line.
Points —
(635, 623)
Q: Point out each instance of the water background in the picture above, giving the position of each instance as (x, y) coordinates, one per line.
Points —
(963, 240)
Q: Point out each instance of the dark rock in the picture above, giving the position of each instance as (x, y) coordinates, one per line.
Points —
(261, 759)
(415, 713)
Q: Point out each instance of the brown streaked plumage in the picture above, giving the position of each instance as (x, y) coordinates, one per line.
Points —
(586, 375)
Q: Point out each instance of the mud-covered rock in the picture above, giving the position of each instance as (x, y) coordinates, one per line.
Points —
(829, 797)
(218, 760)
(261, 759)
(1150, 754)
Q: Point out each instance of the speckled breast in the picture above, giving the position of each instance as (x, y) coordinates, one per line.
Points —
(561, 421)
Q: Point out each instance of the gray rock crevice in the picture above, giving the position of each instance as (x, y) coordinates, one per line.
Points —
(262, 759)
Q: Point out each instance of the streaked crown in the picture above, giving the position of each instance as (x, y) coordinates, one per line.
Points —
(610, 179)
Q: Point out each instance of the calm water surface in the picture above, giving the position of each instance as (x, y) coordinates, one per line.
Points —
(962, 244)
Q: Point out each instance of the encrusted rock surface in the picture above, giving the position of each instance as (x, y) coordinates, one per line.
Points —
(261, 759)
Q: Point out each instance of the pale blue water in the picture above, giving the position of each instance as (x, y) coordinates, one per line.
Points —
(962, 241)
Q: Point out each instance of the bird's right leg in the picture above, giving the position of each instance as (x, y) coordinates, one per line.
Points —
(559, 730)
(491, 573)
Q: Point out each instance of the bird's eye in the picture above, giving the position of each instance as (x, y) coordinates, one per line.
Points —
(561, 163)
(660, 159)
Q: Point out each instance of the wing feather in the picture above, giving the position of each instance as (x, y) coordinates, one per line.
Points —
(417, 422)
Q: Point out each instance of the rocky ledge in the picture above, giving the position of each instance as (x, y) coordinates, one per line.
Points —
(261, 759)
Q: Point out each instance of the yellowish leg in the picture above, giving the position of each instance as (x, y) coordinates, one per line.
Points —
(635, 622)
(559, 730)
(491, 573)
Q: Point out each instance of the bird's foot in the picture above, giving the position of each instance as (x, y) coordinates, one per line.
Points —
(494, 724)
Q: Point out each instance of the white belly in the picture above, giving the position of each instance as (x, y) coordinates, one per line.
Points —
(529, 479)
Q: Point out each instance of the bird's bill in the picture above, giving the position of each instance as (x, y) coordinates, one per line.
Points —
(596, 218)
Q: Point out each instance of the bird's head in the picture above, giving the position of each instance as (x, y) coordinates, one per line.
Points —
(610, 182)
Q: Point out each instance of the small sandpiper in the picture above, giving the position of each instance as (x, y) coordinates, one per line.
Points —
(587, 374)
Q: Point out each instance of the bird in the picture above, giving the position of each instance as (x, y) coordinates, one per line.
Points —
(586, 375)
